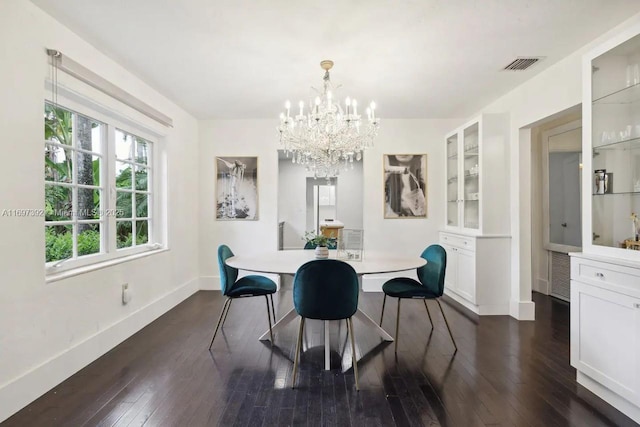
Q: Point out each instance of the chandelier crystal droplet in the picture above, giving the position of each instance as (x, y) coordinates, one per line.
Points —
(326, 137)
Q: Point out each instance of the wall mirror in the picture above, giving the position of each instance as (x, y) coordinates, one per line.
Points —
(562, 168)
(306, 203)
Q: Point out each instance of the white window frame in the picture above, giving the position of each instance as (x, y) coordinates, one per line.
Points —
(113, 120)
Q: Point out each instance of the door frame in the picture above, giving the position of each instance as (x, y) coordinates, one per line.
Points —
(546, 244)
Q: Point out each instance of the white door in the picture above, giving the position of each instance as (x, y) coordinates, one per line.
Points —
(466, 284)
(451, 273)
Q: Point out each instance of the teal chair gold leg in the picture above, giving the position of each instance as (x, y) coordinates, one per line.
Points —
(353, 351)
(397, 327)
(448, 328)
(428, 313)
(227, 304)
(273, 310)
(297, 355)
(266, 298)
(384, 301)
(226, 313)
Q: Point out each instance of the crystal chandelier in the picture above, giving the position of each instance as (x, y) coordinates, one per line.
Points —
(328, 138)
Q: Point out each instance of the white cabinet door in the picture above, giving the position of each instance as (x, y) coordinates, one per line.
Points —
(605, 338)
(466, 276)
(451, 273)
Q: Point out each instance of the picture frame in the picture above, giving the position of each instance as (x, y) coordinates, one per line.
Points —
(405, 185)
(236, 188)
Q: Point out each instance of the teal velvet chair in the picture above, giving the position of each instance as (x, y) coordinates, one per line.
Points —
(430, 286)
(326, 290)
(247, 286)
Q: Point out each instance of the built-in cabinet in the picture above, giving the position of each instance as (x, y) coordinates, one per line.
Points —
(477, 274)
(605, 277)
(476, 234)
(605, 329)
(477, 165)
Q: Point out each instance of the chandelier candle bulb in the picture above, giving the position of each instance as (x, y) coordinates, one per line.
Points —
(355, 107)
(301, 107)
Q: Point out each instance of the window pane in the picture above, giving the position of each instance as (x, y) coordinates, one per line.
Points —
(141, 178)
(88, 239)
(123, 175)
(57, 203)
(142, 232)
(141, 151)
(58, 163)
(58, 242)
(124, 205)
(88, 169)
(142, 208)
(58, 125)
(124, 145)
(88, 203)
(123, 232)
(88, 134)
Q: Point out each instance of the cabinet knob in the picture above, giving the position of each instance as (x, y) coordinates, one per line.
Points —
(636, 305)
(600, 275)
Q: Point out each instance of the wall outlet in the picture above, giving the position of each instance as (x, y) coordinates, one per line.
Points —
(126, 294)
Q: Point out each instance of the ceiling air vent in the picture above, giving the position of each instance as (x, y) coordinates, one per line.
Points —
(522, 63)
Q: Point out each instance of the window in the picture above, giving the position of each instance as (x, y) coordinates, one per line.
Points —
(133, 173)
(99, 190)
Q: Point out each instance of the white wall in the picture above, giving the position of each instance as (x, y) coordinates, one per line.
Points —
(259, 138)
(554, 90)
(49, 331)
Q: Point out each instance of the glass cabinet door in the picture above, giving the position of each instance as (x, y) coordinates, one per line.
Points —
(471, 171)
(453, 200)
(615, 140)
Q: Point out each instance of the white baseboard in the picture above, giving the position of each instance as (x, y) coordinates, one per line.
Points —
(523, 310)
(542, 286)
(209, 283)
(481, 310)
(23, 390)
(629, 409)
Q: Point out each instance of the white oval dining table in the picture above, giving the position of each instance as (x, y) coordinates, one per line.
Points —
(288, 261)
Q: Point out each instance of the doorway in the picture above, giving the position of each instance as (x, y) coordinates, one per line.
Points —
(556, 216)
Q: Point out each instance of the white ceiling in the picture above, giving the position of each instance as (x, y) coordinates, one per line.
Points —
(415, 58)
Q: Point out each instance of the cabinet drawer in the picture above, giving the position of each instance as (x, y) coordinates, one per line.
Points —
(606, 274)
(458, 241)
(618, 277)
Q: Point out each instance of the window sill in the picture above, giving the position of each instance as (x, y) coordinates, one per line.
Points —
(54, 277)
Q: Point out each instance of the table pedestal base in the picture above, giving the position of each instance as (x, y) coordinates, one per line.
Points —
(291, 315)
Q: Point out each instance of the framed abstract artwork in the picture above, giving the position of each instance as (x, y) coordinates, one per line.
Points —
(405, 185)
(237, 188)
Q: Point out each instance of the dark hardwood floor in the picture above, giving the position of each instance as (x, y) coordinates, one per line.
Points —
(505, 373)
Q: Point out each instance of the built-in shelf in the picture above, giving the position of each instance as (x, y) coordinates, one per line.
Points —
(471, 200)
(454, 156)
(631, 193)
(452, 201)
(625, 95)
(468, 155)
(627, 144)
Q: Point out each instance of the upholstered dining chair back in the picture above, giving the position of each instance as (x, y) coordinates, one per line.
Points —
(228, 275)
(431, 275)
(325, 289)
